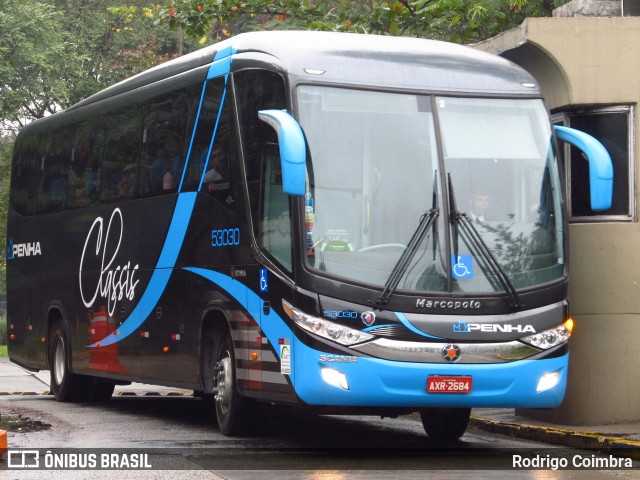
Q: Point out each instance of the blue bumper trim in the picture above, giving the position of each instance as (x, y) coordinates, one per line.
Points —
(384, 383)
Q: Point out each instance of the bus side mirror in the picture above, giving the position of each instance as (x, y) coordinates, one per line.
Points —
(293, 149)
(600, 165)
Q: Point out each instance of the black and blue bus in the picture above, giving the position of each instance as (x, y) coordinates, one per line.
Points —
(350, 223)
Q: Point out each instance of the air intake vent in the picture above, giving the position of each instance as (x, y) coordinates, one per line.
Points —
(397, 332)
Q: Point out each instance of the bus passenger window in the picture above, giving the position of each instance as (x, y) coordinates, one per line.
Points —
(79, 159)
(217, 176)
(119, 170)
(166, 136)
(55, 166)
(202, 141)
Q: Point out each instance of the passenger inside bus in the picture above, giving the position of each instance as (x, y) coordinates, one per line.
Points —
(127, 183)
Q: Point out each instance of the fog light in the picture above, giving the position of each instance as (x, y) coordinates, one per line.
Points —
(335, 378)
(548, 381)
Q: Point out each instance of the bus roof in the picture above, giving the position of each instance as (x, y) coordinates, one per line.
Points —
(357, 59)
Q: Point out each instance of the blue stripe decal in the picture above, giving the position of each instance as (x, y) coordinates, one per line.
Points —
(193, 136)
(405, 321)
(251, 302)
(225, 52)
(162, 272)
(220, 67)
(213, 137)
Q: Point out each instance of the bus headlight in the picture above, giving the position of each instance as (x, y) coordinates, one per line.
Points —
(323, 328)
(551, 337)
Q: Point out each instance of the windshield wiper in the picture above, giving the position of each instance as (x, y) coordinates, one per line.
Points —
(461, 221)
(427, 220)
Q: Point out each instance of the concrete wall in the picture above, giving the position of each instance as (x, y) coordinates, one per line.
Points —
(592, 61)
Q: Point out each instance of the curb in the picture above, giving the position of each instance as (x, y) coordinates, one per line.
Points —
(150, 394)
(46, 392)
(617, 446)
(117, 394)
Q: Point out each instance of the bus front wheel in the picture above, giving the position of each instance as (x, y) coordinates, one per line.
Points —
(445, 424)
(232, 409)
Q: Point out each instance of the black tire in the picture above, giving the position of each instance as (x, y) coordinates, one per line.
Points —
(100, 391)
(445, 424)
(66, 386)
(232, 409)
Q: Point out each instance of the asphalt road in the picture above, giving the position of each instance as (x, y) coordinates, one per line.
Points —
(181, 440)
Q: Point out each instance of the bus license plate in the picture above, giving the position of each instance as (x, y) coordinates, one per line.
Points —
(452, 384)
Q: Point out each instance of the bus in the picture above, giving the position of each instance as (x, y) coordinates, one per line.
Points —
(347, 223)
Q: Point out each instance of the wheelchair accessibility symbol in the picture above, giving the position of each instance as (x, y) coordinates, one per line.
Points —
(462, 266)
(264, 280)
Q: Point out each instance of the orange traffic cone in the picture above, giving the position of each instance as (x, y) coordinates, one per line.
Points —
(103, 358)
(3, 442)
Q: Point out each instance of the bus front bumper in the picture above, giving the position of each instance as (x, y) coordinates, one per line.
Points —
(336, 380)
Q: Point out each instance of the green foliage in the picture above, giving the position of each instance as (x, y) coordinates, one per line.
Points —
(461, 21)
(6, 149)
(55, 53)
(35, 60)
(3, 335)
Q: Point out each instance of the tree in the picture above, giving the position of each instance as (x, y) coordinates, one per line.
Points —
(55, 53)
(462, 21)
(35, 62)
(118, 41)
(6, 150)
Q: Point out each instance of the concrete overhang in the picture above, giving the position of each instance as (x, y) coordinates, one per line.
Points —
(576, 60)
(517, 46)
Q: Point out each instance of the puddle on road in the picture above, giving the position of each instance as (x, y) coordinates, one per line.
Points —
(22, 424)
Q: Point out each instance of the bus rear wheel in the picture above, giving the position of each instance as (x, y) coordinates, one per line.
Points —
(445, 424)
(232, 409)
(66, 386)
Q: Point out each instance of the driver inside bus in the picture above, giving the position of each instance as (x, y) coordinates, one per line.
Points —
(478, 206)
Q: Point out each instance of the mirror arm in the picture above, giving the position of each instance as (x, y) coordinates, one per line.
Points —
(293, 149)
(600, 165)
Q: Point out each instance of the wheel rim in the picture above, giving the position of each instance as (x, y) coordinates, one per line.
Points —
(224, 384)
(59, 361)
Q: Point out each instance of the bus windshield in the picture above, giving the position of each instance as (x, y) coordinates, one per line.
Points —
(377, 163)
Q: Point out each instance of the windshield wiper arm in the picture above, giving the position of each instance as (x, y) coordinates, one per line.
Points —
(461, 219)
(427, 220)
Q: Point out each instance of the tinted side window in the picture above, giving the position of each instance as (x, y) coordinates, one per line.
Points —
(25, 175)
(202, 142)
(257, 90)
(167, 126)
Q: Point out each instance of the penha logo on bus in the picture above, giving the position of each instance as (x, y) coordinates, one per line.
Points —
(464, 327)
(17, 250)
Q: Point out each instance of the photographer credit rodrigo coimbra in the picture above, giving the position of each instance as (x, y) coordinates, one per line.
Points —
(574, 461)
